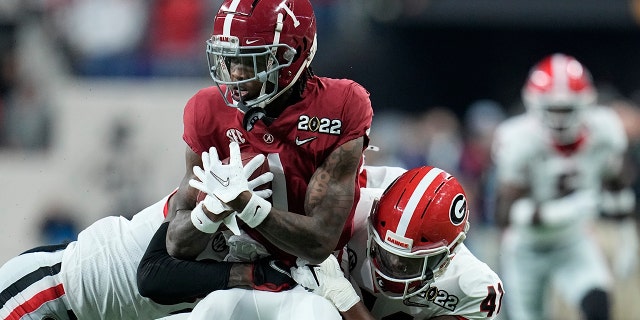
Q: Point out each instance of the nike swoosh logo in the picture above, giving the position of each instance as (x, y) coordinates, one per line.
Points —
(303, 141)
(252, 41)
(224, 183)
(312, 268)
(257, 208)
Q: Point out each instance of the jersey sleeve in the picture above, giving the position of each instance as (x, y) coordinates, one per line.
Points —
(166, 280)
(483, 292)
(201, 118)
(357, 114)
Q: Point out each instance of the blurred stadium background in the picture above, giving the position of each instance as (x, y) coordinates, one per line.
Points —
(92, 91)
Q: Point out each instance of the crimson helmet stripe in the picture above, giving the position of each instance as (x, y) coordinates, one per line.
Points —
(226, 29)
(415, 198)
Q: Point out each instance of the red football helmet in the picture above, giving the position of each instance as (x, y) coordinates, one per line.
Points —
(558, 91)
(415, 229)
(273, 40)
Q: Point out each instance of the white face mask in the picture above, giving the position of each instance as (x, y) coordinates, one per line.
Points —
(563, 122)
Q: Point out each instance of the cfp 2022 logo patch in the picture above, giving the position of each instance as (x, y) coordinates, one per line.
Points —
(321, 125)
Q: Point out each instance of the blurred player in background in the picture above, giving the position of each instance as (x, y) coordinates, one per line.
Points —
(555, 165)
(407, 258)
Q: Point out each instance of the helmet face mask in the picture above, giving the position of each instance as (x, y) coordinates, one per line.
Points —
(414, 231)
(236, 70)
(401, 275)
(273, 40)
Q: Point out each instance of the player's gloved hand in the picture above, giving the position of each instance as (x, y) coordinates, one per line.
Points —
(326, 280)
(243, 248)
(209, 182)
(272, 275)
(576, 206)
(225, 182)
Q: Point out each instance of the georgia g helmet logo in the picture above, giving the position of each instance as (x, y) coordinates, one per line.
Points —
(458, 209)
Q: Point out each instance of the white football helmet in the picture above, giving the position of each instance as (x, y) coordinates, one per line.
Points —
(270, 41)
(414, 230)
(558, 91)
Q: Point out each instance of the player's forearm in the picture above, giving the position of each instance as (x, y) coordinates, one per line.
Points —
(300, 235)
(183, 240)
(168, 280)
(315, 235)
(357, 312)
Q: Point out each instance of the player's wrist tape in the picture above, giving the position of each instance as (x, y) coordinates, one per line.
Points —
(201, 221)
(256, 210)
(343, 295)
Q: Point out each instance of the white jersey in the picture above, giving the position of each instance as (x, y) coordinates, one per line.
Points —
(468, 287)
(524, 155)
(99, 269)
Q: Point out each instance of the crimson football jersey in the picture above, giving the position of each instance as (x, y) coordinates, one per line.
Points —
(330, 113)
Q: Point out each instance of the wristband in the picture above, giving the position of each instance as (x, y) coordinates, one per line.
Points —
(256, 210)
(343, 295)
(202, 222)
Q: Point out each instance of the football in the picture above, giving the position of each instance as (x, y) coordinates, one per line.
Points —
(246, 157)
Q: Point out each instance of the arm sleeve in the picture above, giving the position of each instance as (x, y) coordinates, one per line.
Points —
(168, 280)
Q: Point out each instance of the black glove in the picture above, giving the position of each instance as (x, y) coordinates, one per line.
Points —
(272, 275)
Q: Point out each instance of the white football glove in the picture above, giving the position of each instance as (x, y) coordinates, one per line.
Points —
(225, 182)
(326, 280)
(577, 206)
(243, 248)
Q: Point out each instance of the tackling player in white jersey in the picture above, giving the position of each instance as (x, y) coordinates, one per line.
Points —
(95, 276)
(407, 258)
(552, 163)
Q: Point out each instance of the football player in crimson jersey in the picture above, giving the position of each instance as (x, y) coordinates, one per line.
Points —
(555, 165)
(266, 100)
(313, 131)
(407, 256)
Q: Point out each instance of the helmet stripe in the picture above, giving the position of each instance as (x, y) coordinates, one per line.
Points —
(561, 83)
(226, 29)
(415, 198)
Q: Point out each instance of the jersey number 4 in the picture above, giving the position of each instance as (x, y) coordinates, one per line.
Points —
(493, 301)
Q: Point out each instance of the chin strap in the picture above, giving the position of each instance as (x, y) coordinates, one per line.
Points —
(253, 115)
